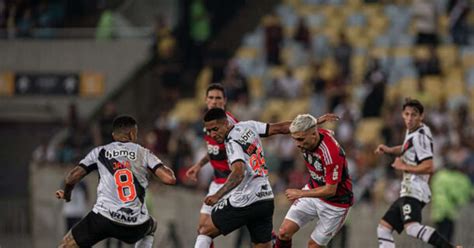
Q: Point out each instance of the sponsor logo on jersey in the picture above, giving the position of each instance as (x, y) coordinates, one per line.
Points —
(246, 137)
(121, 153)
(264, 191)
(123, 214)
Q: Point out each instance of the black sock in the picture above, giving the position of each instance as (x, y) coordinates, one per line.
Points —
(439, 241)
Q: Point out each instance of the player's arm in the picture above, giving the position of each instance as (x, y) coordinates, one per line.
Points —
(393, 150)
(425, 167)
(194, 170)
(235, 178)
(279, 128)
(325, 191)
(165, 174)
(327, 117)
(73, 177)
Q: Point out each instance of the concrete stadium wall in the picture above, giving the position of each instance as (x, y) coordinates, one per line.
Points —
(115, 59)
(181, 206)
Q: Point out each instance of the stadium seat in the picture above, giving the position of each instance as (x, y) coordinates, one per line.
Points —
(368, 131)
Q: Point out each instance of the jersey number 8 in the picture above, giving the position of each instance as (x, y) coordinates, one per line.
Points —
(125, 187)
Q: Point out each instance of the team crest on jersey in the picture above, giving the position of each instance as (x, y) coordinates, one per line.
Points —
(121, 153)
(314, 160)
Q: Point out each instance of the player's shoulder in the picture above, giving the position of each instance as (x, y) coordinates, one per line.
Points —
(424, 130)
(326, 131)
(240, 131)
(231, 117)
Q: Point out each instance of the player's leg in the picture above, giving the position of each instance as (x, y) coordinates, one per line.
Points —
(411, 211)
(206, 233)
(90, 230)
(260, 223)
(300, 213)
(147, 241)
(68, 241)
(392, 220)
(331, 219)
(205, 212)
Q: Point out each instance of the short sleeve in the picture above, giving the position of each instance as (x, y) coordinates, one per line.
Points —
(423, 147)
(260, 127)
(89, 162)
(152, 161)
(234, 152)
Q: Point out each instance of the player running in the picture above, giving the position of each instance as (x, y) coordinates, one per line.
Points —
(328, 194)
(120, 211)
(415, 160)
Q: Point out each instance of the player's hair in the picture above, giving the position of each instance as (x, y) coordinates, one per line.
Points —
(302, 123)
(216, 86)
(215, 114)
(123, 122)
(414, 104)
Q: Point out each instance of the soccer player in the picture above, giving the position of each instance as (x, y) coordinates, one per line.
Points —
(415, 160)
(120, 211)
(215, 98)
(328, 194)
(246, 198)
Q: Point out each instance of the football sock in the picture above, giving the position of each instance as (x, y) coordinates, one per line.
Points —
(385, 237)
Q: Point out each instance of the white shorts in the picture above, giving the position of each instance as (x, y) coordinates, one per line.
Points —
(213, 188)
(331, 218)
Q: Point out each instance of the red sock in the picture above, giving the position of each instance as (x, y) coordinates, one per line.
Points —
(212, 245)
(283, 243)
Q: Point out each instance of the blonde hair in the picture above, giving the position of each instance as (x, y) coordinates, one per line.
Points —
(302, 123)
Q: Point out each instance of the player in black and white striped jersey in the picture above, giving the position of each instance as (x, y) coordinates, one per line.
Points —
(415, 160)
(120, 211)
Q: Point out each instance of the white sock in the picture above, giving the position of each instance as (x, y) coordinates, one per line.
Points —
(420, 231)
(203, 241)
(385, 237)
(145, 242)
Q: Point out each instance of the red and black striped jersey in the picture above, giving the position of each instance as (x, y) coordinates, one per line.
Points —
(327, 165)
(218, 156)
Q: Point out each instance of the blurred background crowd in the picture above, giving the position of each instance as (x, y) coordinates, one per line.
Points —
(357, 58)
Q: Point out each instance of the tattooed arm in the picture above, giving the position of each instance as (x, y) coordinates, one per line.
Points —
(234, 179)
(74, 176)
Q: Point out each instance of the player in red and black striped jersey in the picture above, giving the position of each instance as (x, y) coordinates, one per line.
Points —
(216, 154)
(327, 165)
(328, 194)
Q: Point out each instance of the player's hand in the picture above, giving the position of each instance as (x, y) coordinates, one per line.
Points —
(327, 117)
(211, 200)
(381, 149)
(293, 194)
(60, 195)
(192, 172)
(399, 165)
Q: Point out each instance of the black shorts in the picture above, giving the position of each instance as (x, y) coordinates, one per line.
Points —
(404, 210)
(257, 217)
(95, 227)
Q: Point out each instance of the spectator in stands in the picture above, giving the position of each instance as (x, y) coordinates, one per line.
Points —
(273, 39)
(3, 15)
(302, 34)
(105, 27)
(289, 85)
(373, 103)
(25, 24)
(77, 208)
(319, 101)
(103, 127)
(430, 65)
(234, 82)
(200, 32)
(458, 11)
(343, 55)
(425, 16)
